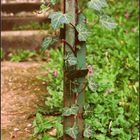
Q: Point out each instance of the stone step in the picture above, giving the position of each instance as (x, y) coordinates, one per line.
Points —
(22, 6)
(9, 22)
(26, 40)
(18, 7)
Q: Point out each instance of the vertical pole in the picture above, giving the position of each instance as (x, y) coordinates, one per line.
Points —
(69, 7)
(70, 36)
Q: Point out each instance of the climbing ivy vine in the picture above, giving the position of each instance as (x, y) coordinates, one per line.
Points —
(58, 20)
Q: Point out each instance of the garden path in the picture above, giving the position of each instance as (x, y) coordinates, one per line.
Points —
(20, 93)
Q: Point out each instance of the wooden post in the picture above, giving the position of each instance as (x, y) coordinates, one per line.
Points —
(70, 36)
(69, 7)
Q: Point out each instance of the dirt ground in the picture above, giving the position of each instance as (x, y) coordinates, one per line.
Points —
(20, 94)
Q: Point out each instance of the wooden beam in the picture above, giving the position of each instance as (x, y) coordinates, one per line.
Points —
(70, 7)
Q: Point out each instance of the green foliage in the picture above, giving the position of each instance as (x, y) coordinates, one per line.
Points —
(46, 43)
(83, 32)
(73, 110)
(112, 93)
(92, 85)
(32, 26)
(42, 125)
(72, 131)
(88, 132)
(107, 22)
(70, 60)
(44, 7)
(53, 2)
(54, 102)
(1, 53)
(97, 4)
(58, 18)
(21, 55)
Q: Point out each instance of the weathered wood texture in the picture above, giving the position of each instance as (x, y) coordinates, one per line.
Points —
(70, 6)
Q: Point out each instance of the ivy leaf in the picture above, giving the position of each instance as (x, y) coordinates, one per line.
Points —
(88, 132)
(58, 18)
(72, 60)
(53, 2)
(83, 32)
(70, 111)
(44, 8)
(82, 19)
(46, 43)
(72, 131)
(87, 110)
(97, 4)
(107, 22)
(92, 85)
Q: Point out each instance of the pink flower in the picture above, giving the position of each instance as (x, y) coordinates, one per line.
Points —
(90, 70)
(55, 73)
(126, 15)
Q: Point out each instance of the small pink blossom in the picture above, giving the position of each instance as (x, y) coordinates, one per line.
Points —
(90, 70)
(126, 15)
(55, 73)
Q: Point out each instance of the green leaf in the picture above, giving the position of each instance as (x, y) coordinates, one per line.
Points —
(100, 136)
(92, 85)
(99, 109)
(107, 22)
(116, 131)
(36, 130)
(47, 137)
(43, 8)
(83, 32)
(58, 18)
(97, 4)
(82, 19)
(59, 128)
(70, 111)
(46, 43)
(39, 118)
(53, 2)
(88, 132)
(72, 131)
(81, 99)
(72, 60)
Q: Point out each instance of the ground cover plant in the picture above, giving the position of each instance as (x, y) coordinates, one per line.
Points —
(111, 112)
(21, 55)
(1, 53)
(32, 26)
(73, 34)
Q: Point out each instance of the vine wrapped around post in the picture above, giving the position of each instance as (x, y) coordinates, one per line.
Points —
(73, 34)
(73, 75)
